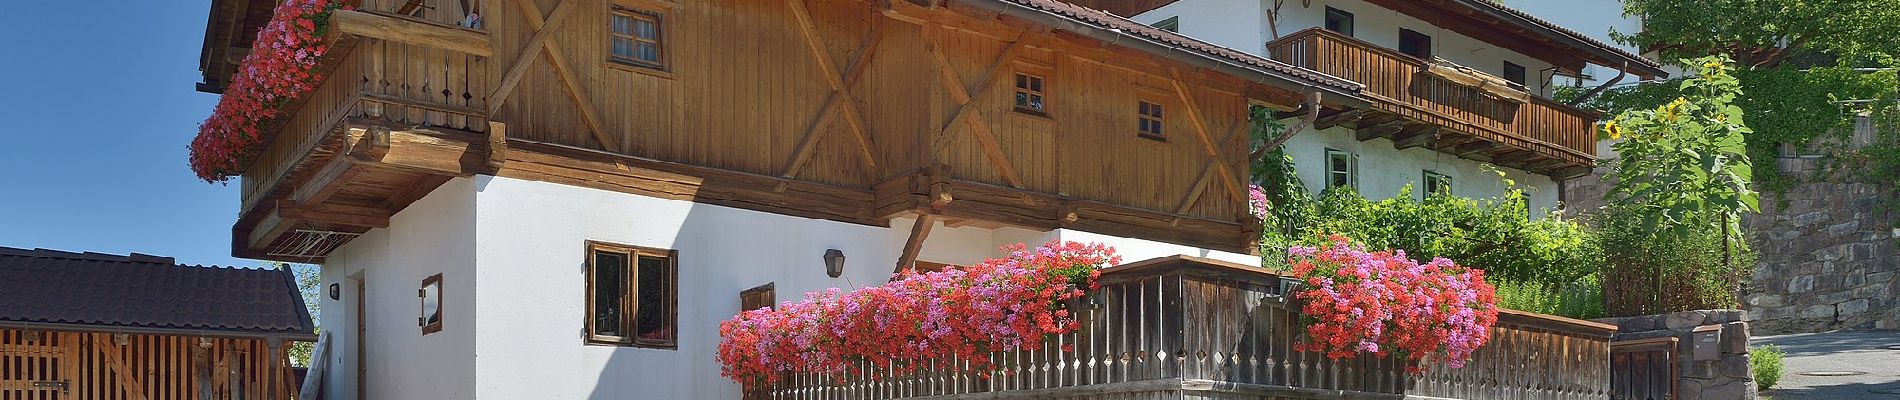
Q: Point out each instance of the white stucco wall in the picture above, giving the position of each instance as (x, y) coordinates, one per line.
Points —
(1385, 170)
(531, 281)
(1243, 25)
(433, 235)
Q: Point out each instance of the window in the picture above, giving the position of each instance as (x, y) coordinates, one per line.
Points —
(1172, 24)
(1029, 93)
(1414, 43)
(631, 296)
(1436, 183)
(1342, 169)
(1515, 73)
(636, 37)
(1151, 121)
(431, 295)
(1338, 21)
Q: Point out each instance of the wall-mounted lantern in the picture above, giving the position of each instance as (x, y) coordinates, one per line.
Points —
(336, 292)
(834, 262)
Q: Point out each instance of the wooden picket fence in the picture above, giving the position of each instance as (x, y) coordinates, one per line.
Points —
(1191, 328)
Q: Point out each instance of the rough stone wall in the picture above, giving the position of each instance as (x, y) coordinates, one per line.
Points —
(1827, 258)
(1725, 378)
(1827, 253)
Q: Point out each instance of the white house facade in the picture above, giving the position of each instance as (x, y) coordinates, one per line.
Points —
(1379, 167)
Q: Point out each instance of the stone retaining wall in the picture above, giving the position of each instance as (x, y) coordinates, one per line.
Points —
(1724, 378)
(1827, 258)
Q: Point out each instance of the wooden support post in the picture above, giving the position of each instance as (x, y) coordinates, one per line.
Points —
(918, 232)
(497, 145)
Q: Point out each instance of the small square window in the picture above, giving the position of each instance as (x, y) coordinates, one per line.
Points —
(1151, 121)
(431, 298)
(1171, 24)
(636, 37)
(1338, 21)
(1436, 184)
(1029, 93)
(1516, 74)
(632, 296)
(1415, 44)
(1342, 169)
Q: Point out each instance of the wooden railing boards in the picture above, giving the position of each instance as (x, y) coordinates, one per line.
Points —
(40, 364)
(1184, 326)
(394, 76)
(1398, 83)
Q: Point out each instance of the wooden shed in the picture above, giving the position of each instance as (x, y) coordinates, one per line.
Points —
(100, 326)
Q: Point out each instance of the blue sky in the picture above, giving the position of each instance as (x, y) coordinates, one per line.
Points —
(96, 107)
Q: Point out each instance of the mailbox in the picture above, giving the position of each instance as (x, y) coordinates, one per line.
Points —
(1706, 340)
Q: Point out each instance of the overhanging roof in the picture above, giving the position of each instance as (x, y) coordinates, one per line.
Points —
(50, 289)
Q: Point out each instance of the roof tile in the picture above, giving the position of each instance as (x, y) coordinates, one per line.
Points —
(57, 287)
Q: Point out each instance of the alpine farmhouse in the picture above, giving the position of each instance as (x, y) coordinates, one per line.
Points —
(1453, 85)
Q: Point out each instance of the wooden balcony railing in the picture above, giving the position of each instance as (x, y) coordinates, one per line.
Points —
(1399, 84)
(372, 80)
(1189, 325)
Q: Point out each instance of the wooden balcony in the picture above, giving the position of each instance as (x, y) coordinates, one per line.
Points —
(339, 160)
(1183, 327)
(1416, 106)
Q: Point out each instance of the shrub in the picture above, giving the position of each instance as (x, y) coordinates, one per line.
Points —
(1765, 361)
(1582, 299)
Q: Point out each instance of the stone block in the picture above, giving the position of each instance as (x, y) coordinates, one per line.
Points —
(1730, 315)
(1863, 251)
(1833, 297)
(1731, 390)
(1851, 307)
(1735, 340)
(1809, 218)
(1685, 319)
(1735, 366)
(1843, 229)
(1801, 284)
(1689, 389)
(1766, 300)
(1880, 277)
(1818, 311)
(1874, 291)
(1856, 278)
(1705, 369)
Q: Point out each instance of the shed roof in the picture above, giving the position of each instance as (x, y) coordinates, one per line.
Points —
(147, 294)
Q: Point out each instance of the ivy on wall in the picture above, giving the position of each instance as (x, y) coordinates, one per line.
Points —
(1788, 105)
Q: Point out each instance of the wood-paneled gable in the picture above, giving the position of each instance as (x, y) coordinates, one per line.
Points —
(750, 87)
(848, 110)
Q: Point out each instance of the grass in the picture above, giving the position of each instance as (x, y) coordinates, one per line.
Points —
(1582, 299)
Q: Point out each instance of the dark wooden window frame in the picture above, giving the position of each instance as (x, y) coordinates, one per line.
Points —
(1344, 17)
(1153, 120)
(1351, 171)
(1522, 78)
(658, 16)
(629, 327)
(1408, 36)
(1433, 178)
(1035, 84)
(440, 299)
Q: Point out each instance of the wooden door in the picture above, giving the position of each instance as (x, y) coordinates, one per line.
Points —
(36, 365)
(362, 364)
(753, 299)
(1643, 369)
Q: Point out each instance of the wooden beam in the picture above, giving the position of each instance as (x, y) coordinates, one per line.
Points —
(1415, 136)
(497, 145)
(428, 152)
(839, 98)
(1468, 149)
(368, 217)
(1337, 119)
(395, 29)
(543, 32)
(1229, 179)
(918, 232)
(129, 381)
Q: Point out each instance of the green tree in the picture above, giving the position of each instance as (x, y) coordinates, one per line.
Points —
(310, 284)
(1769, 33)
